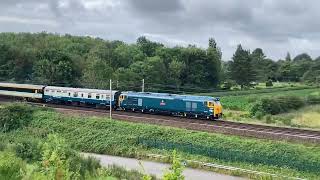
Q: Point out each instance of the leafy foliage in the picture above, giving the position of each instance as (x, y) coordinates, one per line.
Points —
(15, 116)
(93, 135)
(176, 169)
(11, 167)
(52, 59)
(241, 67)
(277, 105)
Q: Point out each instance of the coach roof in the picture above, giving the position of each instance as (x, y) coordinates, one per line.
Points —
(21, 86)
(99, 91)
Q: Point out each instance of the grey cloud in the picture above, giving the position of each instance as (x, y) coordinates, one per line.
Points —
(276, 26)
(153, 7)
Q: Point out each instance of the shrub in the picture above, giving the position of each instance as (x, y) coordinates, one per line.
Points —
(269, 119)
(269, 83)
(313, 99)
(122, 173)
(11, 167)
(176, 169)
(15, 116)
(276, 105)
(28, 149)
(59, 160)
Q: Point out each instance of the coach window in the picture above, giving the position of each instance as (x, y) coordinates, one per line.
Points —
(102, 96)
(97, 96)
(69, 94)
(81, 94)
(89, 95)
(75, 94)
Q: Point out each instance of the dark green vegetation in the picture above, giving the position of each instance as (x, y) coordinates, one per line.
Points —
(292, 106)
(246, 101)
(89, 62)
(120, 138)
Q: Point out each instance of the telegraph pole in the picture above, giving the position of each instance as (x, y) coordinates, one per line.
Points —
(142, 85)
(110, 99)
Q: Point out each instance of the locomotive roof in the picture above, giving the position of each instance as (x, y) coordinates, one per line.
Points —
(22, 86)
(80, 90)
(171, 96)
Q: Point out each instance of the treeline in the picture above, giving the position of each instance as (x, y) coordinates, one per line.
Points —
(90, 62)
(53, 59)
(247, 67)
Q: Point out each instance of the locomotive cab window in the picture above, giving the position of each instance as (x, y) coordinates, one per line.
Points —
(210, 104)
(97, 96)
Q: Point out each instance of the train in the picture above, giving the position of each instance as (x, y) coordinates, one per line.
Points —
(145, 102)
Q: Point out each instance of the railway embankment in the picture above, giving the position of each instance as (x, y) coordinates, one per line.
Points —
(104, 136)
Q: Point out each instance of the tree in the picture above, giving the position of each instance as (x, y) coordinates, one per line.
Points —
(258, 60)
(55, 68)
(213, 65)
(212, 43)
(147, 47)
(241, 67)
(303, 56)
(313, 74)
(175, 70)
(288, 57)
(97, 74)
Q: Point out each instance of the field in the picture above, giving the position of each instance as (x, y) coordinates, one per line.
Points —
(101, 135)
(237, 107)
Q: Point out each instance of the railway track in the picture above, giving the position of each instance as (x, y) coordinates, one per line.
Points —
(221, 126)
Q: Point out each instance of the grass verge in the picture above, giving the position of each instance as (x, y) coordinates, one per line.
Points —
(100, 135)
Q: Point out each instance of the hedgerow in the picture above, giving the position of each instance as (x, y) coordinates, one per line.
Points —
(277, 105)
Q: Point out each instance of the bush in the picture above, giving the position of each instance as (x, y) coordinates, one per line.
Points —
(11, 167)
(313, 99)
(58, 159)
(122, 173)
(28, 149)
(276, 105)
(15, 116)
(269, 83)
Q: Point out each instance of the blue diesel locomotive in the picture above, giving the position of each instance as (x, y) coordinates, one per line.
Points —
(180, 105)
(183, 105)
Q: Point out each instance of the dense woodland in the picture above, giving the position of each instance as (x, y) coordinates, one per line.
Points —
(53, 59)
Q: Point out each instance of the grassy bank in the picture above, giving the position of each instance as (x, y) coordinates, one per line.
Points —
(306, 117)
(244, 102)
(100, 135)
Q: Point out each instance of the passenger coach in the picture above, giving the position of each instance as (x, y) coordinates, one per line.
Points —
(78, 96)
(21, 91)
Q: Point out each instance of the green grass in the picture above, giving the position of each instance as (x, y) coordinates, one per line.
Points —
(244, 102)
(100, 135)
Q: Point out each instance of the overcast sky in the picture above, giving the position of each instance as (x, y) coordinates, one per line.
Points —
(277, 26)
